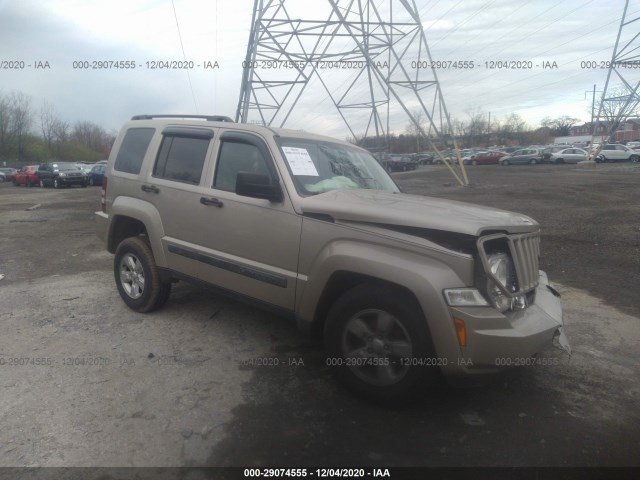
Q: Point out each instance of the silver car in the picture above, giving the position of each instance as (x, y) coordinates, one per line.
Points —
(523, 156)
(569, 155)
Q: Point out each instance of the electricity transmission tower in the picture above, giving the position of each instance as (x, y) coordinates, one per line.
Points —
(616, 109)
(365, 61)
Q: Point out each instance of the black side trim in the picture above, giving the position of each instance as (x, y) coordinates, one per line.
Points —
(270, 307)
(240, 269)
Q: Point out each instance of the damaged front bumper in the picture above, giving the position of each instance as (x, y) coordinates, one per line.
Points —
(495, 340)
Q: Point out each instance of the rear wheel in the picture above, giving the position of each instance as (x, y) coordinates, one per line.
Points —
(634, 158)
(474, 163)
(137, 277)
(505, 162)
(533, 161)
(374, 337)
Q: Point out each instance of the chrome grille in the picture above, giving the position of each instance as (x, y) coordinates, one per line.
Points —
(525, 252)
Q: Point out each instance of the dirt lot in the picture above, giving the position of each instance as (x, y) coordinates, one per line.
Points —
(86, 382)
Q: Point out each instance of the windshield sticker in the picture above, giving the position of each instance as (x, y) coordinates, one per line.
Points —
(300, 161)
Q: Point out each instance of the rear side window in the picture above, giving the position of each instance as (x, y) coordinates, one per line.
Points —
(133, 148)
(181, 159)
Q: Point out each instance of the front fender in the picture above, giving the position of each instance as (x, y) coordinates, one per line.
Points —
(425, 277)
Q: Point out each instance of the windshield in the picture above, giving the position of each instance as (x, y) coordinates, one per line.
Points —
(318, 167)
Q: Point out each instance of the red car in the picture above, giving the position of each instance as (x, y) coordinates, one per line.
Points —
(485, 158)
(27, 176)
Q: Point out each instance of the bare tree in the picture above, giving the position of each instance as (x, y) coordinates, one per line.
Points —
(560, 126)
(21, 118)
(5, 123)
(48, 120)
(620, 104)
(416, 128)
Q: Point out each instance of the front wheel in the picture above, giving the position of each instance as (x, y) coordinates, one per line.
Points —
(474, 163)
(137, 277)
(374, 337)
(635, 158)
(56, 184)
(533, 161)
(27, 182)
(504, 163)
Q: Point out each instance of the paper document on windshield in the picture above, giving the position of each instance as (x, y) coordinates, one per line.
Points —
(300, 161)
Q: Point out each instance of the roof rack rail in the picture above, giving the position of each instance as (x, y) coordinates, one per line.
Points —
(210, 118)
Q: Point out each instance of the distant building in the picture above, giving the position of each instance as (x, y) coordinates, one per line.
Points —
(628, 131)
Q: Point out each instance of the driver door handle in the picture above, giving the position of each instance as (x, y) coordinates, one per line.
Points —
(211, 202)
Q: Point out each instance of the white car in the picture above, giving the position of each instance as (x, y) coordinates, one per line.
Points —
(568, 155)
(617, 153)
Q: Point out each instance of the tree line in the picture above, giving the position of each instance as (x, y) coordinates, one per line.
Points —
(31, 134)
(478, 129)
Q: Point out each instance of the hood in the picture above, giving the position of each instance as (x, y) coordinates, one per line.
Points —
(386, 208)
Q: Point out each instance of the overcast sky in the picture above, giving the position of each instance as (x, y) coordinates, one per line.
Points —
(58, 33)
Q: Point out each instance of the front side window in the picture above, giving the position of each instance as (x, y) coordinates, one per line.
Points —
(237, 157)
(318, 167)
(133, 149)
(181, 159)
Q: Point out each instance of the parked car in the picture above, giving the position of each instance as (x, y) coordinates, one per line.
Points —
(613, 152)
(399, 163)
(425, 158)
(61, 174)
(391, 282)
(27, 176)
(522, 156)
(484, 158)
(7, 174)
(634, 145)
(569, 155)
(96, 174)
(548, 151)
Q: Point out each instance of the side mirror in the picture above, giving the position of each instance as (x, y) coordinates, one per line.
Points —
(257, 185)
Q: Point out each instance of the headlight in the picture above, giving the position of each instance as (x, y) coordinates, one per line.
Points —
(503, 271)
(464, 297)
(62, 174)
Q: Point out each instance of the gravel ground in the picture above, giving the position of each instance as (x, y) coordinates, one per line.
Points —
(86, 382)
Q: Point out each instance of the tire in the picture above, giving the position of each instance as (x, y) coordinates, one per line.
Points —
(91, 181)
(41, 183)
(505, 163)
(27, 182)
(56, 184)
(474, 163)
(362, 325)
(634, 158)
(137, 277)
(532, 161)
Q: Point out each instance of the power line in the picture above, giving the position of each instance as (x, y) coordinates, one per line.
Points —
(184, 56)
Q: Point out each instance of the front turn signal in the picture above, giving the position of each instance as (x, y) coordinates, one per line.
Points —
(461, 332)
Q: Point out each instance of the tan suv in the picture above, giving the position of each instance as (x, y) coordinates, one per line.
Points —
(400, 287)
